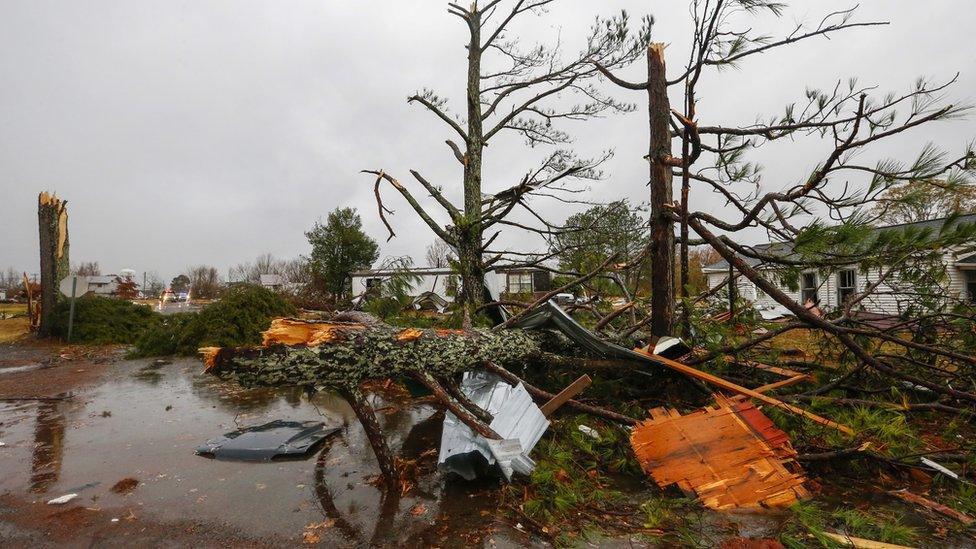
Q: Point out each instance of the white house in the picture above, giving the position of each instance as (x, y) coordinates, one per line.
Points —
(104, 285)
(829, 288)
(444, 281)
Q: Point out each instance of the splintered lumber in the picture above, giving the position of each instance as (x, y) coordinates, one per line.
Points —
(566, 394)
(52, 223)
(729, 456)
(735, 388)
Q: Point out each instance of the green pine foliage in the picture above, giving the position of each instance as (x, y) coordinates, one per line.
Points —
(102, 320)
(240, 316)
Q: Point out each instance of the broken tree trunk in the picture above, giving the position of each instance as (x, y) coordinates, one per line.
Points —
(343, 355)
(662, 225)
(52, 222)
(367, 417)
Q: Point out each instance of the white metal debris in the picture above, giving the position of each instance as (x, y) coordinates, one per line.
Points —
(62, 500)
(940, 468)
(515, 417)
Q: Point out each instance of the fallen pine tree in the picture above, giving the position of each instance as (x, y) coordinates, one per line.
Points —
(344, 353)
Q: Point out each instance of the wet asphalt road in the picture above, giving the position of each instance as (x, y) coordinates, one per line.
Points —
(142, 419)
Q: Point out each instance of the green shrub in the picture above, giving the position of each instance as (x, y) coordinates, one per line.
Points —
(240, 316)
(104, 320)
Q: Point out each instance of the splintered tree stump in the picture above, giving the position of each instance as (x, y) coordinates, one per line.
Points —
(52, 222)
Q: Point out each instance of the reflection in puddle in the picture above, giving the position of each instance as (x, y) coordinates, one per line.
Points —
(48, 446)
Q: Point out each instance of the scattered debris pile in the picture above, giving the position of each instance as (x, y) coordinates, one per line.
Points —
(728, 456)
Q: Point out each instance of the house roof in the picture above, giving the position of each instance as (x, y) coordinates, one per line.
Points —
(436, 270)
(784, 248)
(412, 270)
(102, 279)
(971, 260)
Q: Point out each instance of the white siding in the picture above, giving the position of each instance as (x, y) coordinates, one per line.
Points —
(436, 283)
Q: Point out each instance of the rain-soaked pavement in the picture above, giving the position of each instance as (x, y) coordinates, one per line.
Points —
(142, 419)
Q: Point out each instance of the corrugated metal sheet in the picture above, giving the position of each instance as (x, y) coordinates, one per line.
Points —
(516, 418)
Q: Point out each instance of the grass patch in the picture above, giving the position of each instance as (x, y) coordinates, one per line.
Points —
(12, 329)
(572, 483)
(807, 526)
(12, 309)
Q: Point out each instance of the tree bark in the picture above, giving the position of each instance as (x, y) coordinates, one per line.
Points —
(685, 188)
(662, 226)
(52, 220)
(469, 231)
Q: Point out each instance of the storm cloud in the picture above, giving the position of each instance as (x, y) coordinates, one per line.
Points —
(188, 132)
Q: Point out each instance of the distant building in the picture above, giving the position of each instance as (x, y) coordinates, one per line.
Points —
(444, 282)
(107, 285)
(104, 285)
(272, 281)
(829, 287)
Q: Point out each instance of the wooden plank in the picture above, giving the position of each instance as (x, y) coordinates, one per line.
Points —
(933, 505)
(785, 372)
(861, 543)
(781, 383)
(566, 394)
(735, 388)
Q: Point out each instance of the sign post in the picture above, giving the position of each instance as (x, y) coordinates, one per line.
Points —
(71, 309)
(72, 286)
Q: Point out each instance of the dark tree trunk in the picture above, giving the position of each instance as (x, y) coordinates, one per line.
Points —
(469, 231)
(384, 457)
(732, 289)
(685, 188)
(662, 226)
(52, 220)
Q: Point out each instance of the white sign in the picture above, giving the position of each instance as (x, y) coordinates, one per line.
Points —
(81, 287)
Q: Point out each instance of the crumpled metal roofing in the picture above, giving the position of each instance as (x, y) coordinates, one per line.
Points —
(516, 418)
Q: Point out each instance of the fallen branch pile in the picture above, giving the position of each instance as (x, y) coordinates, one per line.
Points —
(342, 355)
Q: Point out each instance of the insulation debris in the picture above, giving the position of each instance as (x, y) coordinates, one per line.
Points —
(729, 456)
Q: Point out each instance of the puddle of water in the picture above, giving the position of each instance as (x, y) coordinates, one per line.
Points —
(146, 419)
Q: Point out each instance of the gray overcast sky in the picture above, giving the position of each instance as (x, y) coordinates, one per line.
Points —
(189, 132)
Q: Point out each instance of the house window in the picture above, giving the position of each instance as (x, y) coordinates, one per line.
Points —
(520, 283)
(846, 285)
(808, 288)
(971, 285)
(760, 294)
(373, 282)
